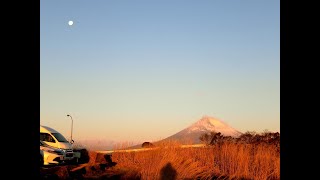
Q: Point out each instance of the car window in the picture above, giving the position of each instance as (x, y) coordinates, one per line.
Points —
(59, 137)
(46, 137)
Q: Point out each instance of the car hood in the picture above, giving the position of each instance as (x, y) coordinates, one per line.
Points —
(64, 145)
(59, 145)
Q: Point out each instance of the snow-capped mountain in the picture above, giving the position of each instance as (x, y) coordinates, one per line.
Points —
(205, 125)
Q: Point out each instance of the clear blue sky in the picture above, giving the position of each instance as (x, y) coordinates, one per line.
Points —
(143, 70)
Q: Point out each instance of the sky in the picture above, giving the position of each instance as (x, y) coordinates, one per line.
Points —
(143, 70)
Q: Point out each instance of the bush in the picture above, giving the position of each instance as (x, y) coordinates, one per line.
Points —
(147, 145)
(252, 137)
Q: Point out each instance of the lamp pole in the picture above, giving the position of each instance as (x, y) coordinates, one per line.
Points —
(71, 125)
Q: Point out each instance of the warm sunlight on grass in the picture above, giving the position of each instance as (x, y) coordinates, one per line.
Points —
(227, 160)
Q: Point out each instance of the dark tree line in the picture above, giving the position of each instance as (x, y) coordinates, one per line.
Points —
(266, 137)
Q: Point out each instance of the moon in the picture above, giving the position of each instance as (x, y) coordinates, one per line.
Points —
(70, 23)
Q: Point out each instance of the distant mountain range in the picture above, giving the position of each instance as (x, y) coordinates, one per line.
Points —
(206, 124)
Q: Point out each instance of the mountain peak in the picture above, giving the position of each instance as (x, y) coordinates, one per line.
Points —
(209, 123)
(205, 125)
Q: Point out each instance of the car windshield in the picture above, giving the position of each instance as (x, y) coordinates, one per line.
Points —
(59, 137)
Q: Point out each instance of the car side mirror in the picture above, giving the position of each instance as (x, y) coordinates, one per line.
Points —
(72, 141)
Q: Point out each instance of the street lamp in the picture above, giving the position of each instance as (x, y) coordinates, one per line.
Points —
(71, 127)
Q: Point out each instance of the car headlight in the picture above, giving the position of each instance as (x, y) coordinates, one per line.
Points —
(59, 152)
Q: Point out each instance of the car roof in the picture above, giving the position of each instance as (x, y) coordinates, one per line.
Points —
(47, 129)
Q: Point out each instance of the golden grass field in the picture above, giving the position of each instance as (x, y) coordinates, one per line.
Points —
(172, 161)
(227, 161)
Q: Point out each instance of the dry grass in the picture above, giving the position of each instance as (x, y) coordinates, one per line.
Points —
(235, 161)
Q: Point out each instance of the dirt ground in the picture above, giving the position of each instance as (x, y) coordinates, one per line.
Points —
(97, 166)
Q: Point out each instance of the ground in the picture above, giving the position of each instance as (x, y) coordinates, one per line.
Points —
(98, 166)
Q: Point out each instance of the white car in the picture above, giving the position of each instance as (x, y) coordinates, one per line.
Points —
(50, 155)
(55, 139)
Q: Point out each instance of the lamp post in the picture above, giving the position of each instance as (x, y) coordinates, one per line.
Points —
(71, 126)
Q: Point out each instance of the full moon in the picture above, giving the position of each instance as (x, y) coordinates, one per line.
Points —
(70, 23)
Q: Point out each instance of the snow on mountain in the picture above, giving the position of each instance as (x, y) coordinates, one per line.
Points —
(206, 124)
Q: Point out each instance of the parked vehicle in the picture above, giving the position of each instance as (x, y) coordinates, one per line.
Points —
(54, 139)
(50, 155)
